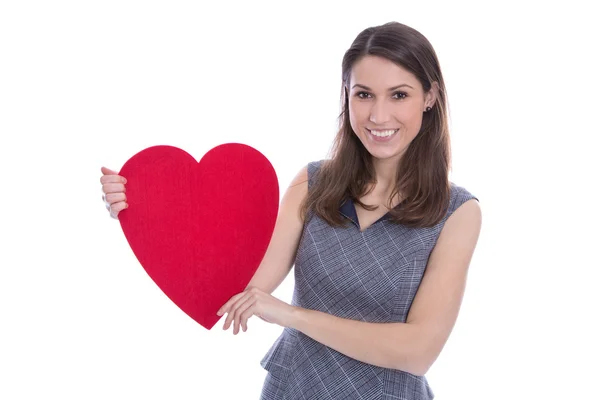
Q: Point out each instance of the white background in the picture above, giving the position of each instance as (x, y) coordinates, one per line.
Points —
(85, 84)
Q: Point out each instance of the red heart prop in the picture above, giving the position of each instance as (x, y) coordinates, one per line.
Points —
(200, 230)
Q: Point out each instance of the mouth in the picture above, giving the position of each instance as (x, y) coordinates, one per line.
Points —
(382, 133)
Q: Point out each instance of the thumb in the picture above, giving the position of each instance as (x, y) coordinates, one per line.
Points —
(106, 171)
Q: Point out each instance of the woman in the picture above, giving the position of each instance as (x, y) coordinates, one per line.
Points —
(380, 238)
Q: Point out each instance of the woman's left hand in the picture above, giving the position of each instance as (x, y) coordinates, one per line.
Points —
(251, 302)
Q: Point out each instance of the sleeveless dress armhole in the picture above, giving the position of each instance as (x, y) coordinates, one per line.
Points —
(459, 196)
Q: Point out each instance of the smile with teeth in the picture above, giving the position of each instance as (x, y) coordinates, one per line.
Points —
(386, 133)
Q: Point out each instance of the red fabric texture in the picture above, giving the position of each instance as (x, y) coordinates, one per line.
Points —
(200, 229)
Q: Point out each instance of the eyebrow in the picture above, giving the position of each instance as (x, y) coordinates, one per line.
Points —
(390, 89)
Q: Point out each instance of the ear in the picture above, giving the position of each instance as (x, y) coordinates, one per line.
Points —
(432, 95)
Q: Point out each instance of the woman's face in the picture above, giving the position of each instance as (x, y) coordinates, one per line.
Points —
(386, 105)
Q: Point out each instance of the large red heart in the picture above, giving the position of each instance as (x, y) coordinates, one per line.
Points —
(200, 230)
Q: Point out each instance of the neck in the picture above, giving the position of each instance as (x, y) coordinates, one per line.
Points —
(385, 173)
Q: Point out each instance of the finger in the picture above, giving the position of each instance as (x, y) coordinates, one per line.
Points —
(244, 312)
(226, 306)
(233, 308)
(111, 198)
(245, 308)
(113, 188)
(108, 171)
(246, 316)
(116, 208)
(247, 294)
(112, 179)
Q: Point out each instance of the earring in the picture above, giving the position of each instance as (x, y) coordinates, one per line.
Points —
(427, 109)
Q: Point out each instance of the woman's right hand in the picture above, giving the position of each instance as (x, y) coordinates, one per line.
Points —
(113, 189)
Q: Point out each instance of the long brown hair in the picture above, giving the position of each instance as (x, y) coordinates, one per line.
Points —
(422, 173)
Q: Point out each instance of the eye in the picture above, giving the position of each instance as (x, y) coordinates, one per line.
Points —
(399, 95)
(362, 95)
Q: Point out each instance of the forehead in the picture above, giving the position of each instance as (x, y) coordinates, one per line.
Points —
(380, 73)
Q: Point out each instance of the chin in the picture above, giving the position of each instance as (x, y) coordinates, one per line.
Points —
(384, 153)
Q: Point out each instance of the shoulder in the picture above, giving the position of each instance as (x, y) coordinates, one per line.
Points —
(314, 166)
(462, 224)
(312, 171)
(301, 177)
(459, 196)
(305, 178)
(463, 210)
(460, 193)
(308, 170)
(464, 213)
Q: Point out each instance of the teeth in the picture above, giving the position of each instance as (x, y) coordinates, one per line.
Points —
(384, 133)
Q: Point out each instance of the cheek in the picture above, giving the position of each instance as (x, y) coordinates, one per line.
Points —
(411, 117)
(416, 121)
(356, 116)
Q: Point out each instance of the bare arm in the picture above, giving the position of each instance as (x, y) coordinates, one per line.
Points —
(279, 258)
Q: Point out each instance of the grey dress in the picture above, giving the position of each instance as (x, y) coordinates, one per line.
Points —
(369, 276)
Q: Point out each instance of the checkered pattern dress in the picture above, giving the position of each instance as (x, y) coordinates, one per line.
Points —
(369, 276)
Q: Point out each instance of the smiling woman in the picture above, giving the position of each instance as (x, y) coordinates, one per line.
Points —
(381, 240)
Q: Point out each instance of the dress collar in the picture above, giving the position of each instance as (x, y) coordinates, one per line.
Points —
(348, 210)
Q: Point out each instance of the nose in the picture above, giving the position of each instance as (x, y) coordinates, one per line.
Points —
(379, 112)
